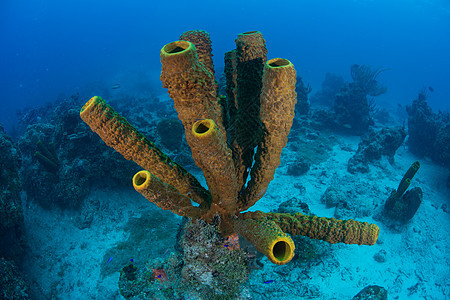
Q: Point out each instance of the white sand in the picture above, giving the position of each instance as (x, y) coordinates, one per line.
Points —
(417, 255)
(65, 262)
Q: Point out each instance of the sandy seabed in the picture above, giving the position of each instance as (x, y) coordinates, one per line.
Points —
(65, 262)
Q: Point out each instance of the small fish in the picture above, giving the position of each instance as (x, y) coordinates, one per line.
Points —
(160, 274)
(115, 86)
(132, 260)
(430, 88)
(269, 281)
(348, 126)
(110, 259)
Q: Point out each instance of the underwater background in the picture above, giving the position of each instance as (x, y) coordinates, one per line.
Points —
(73, 227)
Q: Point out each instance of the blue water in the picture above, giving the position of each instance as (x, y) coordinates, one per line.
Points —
(53, 48)
(77, 226)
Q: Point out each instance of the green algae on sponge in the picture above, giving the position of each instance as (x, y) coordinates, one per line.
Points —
(116, 132)
(268, 238)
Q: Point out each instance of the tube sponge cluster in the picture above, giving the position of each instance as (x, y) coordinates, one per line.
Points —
(223, 133)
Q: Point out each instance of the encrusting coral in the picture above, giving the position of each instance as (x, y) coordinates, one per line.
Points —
(263, 99)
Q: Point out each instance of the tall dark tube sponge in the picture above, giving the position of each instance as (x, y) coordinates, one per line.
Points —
(251, 56)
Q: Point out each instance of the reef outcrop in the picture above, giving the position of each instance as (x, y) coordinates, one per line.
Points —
(206, 266)
(428, 132)
(11, 213)
(58, 170)
(13, 245)
(352, 104)
(374, 145)
(372, 292)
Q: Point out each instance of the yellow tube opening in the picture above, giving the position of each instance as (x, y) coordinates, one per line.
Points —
(278, 63)
(141, 180)
(282, 251)
(89, 104)
(176, 47)
(203, 128)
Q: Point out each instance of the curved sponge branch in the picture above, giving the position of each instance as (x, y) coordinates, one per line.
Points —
(329, 230)
(211, 150)
(164, 195)
(116, 132)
